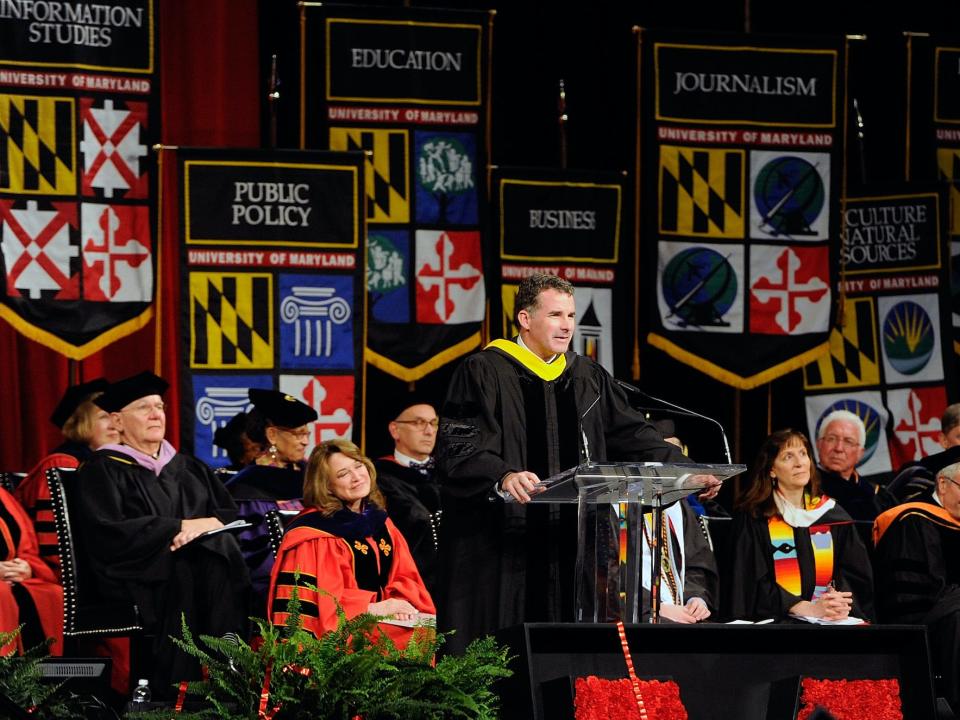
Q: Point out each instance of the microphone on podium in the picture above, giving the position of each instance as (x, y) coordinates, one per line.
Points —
(686, 411)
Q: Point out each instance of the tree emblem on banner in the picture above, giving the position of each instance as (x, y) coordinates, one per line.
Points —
(445, 170)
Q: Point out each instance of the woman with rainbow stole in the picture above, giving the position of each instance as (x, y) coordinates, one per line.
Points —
(795, 553)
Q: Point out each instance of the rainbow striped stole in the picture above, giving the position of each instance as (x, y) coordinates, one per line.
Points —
(786, 566)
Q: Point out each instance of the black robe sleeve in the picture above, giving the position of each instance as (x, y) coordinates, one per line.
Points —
(913, 584)
(470, 452)
(700, 577)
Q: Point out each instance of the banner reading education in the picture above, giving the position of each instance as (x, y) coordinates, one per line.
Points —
(272, 287)
(78, 115)
(743, 146)
(409, 88)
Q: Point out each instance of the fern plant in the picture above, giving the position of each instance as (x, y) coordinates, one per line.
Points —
(351, 671)
(21, 685)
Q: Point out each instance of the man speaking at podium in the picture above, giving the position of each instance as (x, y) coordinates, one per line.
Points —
(517, 413)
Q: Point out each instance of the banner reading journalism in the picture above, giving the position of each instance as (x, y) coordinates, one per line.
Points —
(409, 88)
(567, 223)
(946, 130)
(272, 287)
(890, 359)
(78, 115)
(742, 149)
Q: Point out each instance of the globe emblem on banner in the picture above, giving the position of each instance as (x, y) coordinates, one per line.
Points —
(699, 286)
(908, 337)
(789, 196)
(871, 421)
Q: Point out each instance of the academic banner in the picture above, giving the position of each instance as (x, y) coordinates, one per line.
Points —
(409, 88)
(568, 223)
(946, 133)
(272, 272)
(78, 115)
(890, 359)
(741, 157)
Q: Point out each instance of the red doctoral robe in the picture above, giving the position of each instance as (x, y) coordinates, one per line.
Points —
(328, 558)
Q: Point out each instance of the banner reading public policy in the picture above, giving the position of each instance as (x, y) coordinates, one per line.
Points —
(272, 287)
(890, 360)
(78, 115)
(566, 223)
(408, 87)
(741, 155)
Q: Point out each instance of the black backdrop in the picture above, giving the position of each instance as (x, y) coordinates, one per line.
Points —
(592, 47)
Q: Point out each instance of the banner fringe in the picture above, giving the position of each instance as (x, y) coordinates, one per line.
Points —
(401, 372)
(731, 378)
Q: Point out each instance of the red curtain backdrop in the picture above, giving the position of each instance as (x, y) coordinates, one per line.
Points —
(209, 86)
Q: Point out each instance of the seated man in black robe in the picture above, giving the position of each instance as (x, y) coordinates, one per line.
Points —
(917, 572)
(408, 481)
(142, 513)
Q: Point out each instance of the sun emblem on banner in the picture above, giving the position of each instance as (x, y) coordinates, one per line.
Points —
(908, 337)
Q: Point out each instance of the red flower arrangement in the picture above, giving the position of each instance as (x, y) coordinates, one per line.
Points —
(599, 699)
(852, 699)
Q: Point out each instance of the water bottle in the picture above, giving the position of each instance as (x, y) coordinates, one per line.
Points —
(141, 694)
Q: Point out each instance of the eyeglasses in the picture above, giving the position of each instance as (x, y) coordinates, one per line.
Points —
(848, 443)
(951, 480)
(298, 434)
(420, 423)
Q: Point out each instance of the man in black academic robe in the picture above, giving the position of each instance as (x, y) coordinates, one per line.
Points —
(517, 413)
(142, 512)
(917, 572)
(408, 481)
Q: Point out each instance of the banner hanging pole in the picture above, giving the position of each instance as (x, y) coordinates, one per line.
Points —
(635, 367)
(562, 123)
(908, 103)
(158, 283)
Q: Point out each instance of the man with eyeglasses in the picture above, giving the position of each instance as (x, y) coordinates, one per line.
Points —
(142, 510)
(840, 446)
(408, 481)
(917, 572)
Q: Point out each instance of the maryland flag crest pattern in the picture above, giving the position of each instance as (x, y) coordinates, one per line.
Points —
(853, 359)
(37, 141)
(78, 182)
(232, 320)
(701, 192)
(387, 188)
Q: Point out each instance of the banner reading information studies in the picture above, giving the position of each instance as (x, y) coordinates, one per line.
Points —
(77, 181)
(742, 153)
(272, 292)
(408, 87)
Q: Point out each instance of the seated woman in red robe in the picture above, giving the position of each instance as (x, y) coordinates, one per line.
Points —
(344, 544)
(29, 592)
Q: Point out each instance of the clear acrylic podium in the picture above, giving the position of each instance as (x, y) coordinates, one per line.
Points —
(639, 485)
